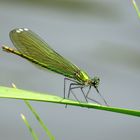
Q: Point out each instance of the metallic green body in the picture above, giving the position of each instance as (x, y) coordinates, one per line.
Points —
(30, 46)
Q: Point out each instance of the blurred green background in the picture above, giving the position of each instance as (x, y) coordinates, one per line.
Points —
(102, 38)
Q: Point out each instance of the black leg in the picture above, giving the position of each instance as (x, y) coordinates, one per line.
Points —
(88, 91)
(78, 86)
(103, 99)
(71, 88)
(75, 85)
(65, 88)
(85, 96)
(67, 79)
(70, 91)
(94, 100)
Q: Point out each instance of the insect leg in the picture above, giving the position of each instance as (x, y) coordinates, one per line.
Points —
(103, 99)
(93, 100)
(85, 96)
(77, 85)
(67, 79)
(70, 90)
(88, 91)
(65, 87)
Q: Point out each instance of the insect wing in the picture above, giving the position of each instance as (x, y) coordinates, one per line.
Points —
(31, 45)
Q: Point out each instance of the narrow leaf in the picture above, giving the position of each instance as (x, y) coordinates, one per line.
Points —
(29, 127)
(13, 93)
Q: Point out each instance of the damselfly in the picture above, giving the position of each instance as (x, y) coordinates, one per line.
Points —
(31, 47)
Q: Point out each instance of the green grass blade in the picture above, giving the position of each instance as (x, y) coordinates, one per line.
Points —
(13, 93)
(37, 117)
(40, 121)
(29, 127)
(136, 7)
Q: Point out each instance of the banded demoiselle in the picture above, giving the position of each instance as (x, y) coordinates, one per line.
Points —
(31, 47)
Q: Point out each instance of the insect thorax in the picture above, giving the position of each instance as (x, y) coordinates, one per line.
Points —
(82, 77)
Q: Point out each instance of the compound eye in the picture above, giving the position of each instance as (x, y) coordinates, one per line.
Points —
(96, 81)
